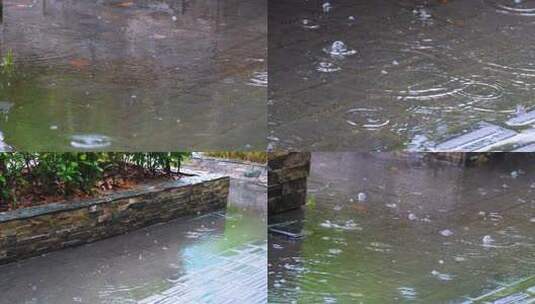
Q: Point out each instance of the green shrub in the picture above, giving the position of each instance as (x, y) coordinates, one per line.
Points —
(69, 173)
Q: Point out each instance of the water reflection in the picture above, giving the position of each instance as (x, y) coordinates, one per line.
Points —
(426, 232)
(149, 75)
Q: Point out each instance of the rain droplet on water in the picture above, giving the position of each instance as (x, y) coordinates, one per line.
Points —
(442, 276)
(446, 232)
(327, 67)
(487, 240)
(327, 7)
(408, 292)
(259, 79)
(90, 141)
(310, 24)
(335, 251)
(339, 48)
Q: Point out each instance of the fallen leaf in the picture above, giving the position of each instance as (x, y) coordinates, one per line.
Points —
(80, 63)
(125, 4)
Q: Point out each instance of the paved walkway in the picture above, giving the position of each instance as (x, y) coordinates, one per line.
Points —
(215, 258)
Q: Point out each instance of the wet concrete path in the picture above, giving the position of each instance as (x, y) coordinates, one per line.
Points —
(134, 75)
(215, 258)
(404, 74)
(382, 229)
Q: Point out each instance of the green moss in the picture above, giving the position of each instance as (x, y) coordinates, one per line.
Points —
(8, 62)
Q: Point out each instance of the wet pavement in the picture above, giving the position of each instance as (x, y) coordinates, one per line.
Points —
(215, 258)
(134, 75)
(240, 170)
(390, 229)
(404, 74)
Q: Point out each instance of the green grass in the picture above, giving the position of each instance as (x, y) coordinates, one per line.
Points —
(8, 62)
(255, 157)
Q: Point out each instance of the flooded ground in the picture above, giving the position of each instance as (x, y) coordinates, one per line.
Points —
(404, 74)
(133, 75)
(216, 258)
(378, 229)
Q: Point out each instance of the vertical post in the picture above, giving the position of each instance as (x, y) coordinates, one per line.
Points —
(287, 180)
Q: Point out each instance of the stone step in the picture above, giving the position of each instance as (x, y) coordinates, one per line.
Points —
(482, 136)
(522, 119)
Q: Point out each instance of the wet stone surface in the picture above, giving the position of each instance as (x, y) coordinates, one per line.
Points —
(238, 170)
(139, 75)
(404, 74)
(216, 258)
(382, 229)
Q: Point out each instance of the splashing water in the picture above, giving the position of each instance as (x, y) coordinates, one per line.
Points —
(442, 276)
(423, 15)
(366, 118)
(327, 67)
(90, 141)
(310, 24)
(259, 79)
(487, 240)
(5, 106)
(446, 232)
(339, 48)
(408, 293)
(513, 7)
(347, 225)
(327, 7)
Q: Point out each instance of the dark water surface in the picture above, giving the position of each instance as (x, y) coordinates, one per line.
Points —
(134, 75)
(411, 74)
(421, 233)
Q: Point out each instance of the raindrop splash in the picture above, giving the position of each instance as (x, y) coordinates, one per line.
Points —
(339, 48)
(90, 141)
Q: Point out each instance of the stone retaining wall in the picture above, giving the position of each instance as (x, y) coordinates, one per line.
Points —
(36, 230)
(287, 180)
(458, 158)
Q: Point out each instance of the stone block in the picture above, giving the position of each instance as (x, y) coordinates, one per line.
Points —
(287, 180)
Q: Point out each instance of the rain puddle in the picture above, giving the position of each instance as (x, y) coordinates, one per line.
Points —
(146, 75)
(426, 232)
(215, 258)
(429, 71)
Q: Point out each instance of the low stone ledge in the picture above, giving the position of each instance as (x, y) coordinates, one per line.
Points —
(36, 230)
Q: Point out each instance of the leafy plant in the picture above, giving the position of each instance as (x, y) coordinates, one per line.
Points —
(70, 173)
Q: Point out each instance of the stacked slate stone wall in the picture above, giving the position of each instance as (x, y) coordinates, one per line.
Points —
(36, 230)
(459, 158)
(287, 180)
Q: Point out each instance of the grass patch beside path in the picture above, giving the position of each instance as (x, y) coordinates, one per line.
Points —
(255, 157)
